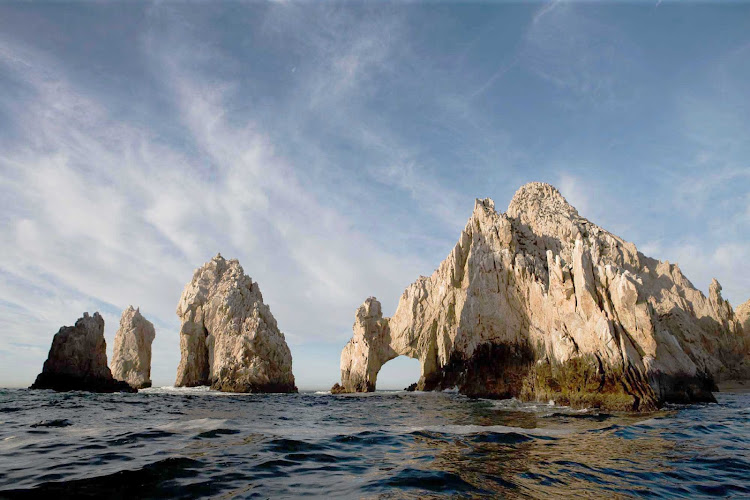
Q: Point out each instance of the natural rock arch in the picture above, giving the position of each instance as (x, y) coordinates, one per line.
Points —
(372, 346)
(401, 372)
(540, 303)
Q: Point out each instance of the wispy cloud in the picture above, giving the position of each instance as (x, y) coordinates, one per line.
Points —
(110, 212)
(579, 54)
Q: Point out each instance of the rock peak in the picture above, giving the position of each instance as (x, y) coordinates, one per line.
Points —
(485, 203)
(539, 198)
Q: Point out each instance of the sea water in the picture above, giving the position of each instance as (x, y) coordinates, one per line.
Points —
(190, 443)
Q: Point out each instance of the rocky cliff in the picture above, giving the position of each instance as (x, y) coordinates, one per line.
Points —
(131, 357)
(743, 316)
(229, 338)
(77, 360)
(541, 304)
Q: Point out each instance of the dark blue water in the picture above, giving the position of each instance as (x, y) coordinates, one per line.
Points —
(196, 443)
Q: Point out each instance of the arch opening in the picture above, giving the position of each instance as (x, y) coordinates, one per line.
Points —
(398, 373)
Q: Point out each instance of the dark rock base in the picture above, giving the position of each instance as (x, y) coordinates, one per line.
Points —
(253, 388)
(66, 383)
(495, 371)
(502, 371)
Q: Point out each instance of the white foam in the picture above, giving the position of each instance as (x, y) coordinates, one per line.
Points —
(202, 390)
(516, 405)
(497, 429)
(198, 424)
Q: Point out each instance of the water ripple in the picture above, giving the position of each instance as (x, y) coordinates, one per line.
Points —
(188, 443)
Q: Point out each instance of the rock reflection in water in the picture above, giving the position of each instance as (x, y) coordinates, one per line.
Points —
(198, 443)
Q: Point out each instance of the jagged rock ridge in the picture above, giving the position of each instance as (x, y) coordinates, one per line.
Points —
(539, 303)
(131, 357)
(77, 360)
(229, 338)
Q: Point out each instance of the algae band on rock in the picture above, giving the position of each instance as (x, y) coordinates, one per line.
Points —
(229, 338)
(539, 303)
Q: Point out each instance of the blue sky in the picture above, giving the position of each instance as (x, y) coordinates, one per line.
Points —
(336, 150)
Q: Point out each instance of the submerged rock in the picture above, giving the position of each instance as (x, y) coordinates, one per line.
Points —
(229, 338)
(541, 304)
(77, 360)
(58, 422)
(337, 389)
(131, 358)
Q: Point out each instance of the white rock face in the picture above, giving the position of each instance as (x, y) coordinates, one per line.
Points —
(368, 350)
(229, 338)
(540, 303)
(77, 360)
(131, 357)
(743, 317)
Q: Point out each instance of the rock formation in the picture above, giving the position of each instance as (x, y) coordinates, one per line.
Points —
(229, 338)
(77, 360)
(743, 316)
(131, 358)
(541, 304)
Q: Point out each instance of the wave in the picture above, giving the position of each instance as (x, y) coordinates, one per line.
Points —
(463, 430)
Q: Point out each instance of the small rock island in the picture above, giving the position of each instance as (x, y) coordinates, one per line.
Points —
(77, 360)
(228, 337)
(539, 303)
(131, 357)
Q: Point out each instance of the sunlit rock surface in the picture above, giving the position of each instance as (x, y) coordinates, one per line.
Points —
(77, 360)
(131, 358)
(541, 304)
(743, 317)
(229, 338)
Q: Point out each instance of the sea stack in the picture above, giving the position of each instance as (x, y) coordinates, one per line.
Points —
(539, 303)
(229, 338)
(131, 358)
(77, 360)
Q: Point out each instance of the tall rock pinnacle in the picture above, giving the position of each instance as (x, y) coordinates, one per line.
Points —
(229, 338)
(131, 357)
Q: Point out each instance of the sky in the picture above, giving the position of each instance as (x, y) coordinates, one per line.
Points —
(336, 149)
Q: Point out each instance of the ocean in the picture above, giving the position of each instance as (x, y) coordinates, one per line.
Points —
(197, 443)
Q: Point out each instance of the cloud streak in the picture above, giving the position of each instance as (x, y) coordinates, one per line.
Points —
(336, 150)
